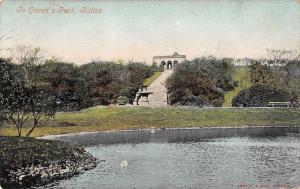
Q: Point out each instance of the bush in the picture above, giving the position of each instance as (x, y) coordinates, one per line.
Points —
(129, 92)
(219, 71)
(260, 95)
(190, 86)
(190, 100)
(295, 99)
(122, 100)
(102, 83)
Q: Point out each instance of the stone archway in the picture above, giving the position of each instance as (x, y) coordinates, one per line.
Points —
(169, 65)
(175, 63)
(169, 62)
(164, 64)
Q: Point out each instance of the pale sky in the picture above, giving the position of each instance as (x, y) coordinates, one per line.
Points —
(139, 30)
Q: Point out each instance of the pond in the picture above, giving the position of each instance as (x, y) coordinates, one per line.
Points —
(233, 162)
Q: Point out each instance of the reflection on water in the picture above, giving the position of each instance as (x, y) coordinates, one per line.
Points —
(217, 163)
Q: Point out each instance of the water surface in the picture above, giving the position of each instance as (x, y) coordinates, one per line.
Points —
(235, 162)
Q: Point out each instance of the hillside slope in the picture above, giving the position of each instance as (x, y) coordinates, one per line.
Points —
(241, 74)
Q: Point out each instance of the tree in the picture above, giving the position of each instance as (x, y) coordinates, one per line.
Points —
(280, 57)
(103, 82)
(29, 61)
(63, 79)
(42, 105)
(14, 96)
(261, 74)
(23, 96)
(280, 69)
(219, 71)
(293, 75)
(277, 59)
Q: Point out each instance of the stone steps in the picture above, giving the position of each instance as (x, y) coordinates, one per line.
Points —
(159, 96)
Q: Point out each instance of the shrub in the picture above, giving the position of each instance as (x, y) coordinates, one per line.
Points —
(122, 100)
(190, 86)
(260, 95)
(103, 82)
(190, 100)
(219, 71)
(261, 74)
(129, 92)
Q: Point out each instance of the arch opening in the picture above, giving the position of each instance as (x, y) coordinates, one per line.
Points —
(164, 64)
(175, 63)
(169, 65)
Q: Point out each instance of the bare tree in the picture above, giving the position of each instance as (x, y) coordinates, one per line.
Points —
(278, 59)
(5, 37)
(24, 97)
(29, 59)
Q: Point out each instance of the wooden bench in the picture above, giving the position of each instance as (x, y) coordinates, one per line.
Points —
(280, 104)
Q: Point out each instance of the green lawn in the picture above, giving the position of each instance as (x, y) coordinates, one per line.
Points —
(241, 75)
(150, 79)
(117, 118)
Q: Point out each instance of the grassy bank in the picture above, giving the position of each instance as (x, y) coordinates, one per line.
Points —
(150, 79)
(26, 162)
(116, 118)
(241, 74)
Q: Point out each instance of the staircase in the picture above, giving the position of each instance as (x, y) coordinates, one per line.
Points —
(159, 96)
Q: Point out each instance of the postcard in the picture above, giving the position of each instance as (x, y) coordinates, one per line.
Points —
(150, 94)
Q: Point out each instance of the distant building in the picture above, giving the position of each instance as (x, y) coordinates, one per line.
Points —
(169, 62)
(242, 62)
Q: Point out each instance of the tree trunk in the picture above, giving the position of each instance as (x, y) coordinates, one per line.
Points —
(35, 123)
(19, 129)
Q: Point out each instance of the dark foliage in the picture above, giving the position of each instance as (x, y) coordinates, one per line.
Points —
(4, 67)
(122, 100)
(20, 99)
(190, 85)
(293, 77)
(260, 95)
(218, 70)
(62, 79)
(285, 77)
(96, 83)
(103, 82)
(261, 74)
(14, 95)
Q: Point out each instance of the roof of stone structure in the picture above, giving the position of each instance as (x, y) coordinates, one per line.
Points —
(175, 55)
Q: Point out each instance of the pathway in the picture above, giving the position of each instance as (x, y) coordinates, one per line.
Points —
(159, 96)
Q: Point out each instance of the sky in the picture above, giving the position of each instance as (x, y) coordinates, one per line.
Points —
(139, 30)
